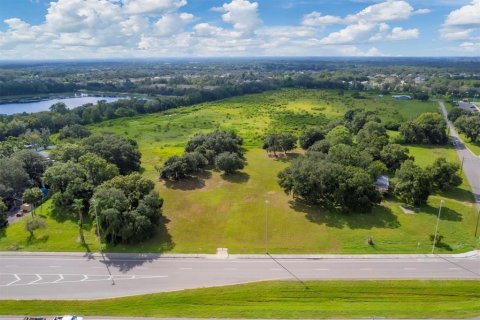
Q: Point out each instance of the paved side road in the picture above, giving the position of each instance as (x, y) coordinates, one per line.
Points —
(73, 276)
(471, 162)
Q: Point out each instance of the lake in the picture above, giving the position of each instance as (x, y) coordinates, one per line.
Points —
(44, 105)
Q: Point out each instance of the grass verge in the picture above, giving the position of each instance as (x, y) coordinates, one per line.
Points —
(282, 299)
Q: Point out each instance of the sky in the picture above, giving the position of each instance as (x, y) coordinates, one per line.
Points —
(100, 29)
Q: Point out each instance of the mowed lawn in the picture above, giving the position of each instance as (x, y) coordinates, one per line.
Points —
(239, 211)
(473, 146)
(282, 300)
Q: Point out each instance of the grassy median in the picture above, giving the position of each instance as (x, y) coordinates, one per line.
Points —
(282, 299)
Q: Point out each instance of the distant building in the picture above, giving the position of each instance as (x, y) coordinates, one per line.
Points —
(382, 184)
(402, 97)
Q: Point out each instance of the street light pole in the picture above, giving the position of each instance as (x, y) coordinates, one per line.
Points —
(436, 228)
(96, 219)
(266, 226)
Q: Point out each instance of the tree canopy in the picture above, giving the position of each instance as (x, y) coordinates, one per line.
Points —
(279, 142)
(428, 128)
(115, 149)
(413, 184)
(229, 162)
(128, 209)
(469, 125)
(321, 182)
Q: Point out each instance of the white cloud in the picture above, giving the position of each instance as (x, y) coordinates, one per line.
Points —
(316, 19)
(367, 25)
(172, 23)
(422, 11)
(461, 23)
(242, 14)
(389, 10)
(150, 28)
(468, 15)
(402, 34)
(353, 33)
(470, 47)
(152, 6)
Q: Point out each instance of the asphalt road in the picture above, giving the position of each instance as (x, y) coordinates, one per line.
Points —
(73, 276)
(471, 162)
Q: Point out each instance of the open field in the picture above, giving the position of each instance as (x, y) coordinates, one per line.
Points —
(217, 211)
(284, 300)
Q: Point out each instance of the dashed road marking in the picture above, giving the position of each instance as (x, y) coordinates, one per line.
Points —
(409, 268)
(321, 269)
(231, 269)
(186, 268)
(454, 268)
(366, 269)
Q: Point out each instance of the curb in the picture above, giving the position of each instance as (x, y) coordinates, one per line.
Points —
(154, 256)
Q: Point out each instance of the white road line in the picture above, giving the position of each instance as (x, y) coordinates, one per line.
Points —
(10, 266)
(321, 269)
(98, 267)
(186, 268)
(38, 279)
(275, 269)
(409, 268)
(17, 279)
(454, 268)
(61, 280)
(366, 269)
(85, 277)
(229, 268)
(54, 266)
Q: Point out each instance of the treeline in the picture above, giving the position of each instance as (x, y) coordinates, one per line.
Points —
(92, 176)
(60, 116)
(466, 122)
(344, 158)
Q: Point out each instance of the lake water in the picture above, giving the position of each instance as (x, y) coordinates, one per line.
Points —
(29, 107)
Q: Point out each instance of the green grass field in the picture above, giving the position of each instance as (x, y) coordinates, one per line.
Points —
(473, 146)
(282, 300)
(217, 211)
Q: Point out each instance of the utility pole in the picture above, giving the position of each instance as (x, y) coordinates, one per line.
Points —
(266, 226)
(436, 228)
(478, 220)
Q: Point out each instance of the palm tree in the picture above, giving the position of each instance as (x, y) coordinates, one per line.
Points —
(78, 206)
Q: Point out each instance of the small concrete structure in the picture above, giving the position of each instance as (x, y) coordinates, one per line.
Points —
(222, 253)
(26, 207)
(382, 184)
